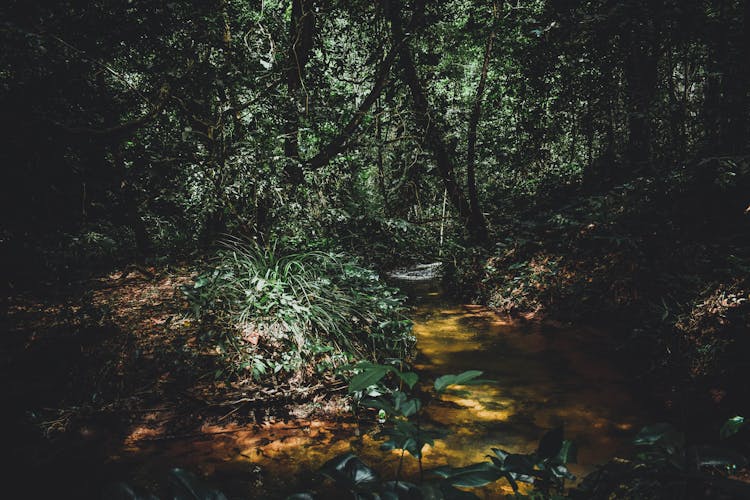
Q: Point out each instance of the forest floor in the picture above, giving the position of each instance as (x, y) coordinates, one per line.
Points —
(116, 360)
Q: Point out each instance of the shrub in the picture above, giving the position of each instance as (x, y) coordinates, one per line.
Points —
(296, 312)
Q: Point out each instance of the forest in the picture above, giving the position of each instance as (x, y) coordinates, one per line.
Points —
(401, 249)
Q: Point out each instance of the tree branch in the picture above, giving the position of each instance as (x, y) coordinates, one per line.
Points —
(123, 128)
(340, 142)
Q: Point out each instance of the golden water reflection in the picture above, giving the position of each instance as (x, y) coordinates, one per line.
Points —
(544, 376)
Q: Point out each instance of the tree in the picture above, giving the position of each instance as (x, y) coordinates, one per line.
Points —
(431, 126)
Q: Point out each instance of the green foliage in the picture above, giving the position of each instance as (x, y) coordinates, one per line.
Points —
(349, 471)
(371, 374)
(352, 475)
(465, 378)
(663, 445)
(611, 153)
(280, 311)
(732, 426)
(400, 406)
(180, 485)
(666, 463)
(399, 409)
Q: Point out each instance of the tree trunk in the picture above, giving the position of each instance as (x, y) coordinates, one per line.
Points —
(340, 141)
(640, 79)
(301, 31)
(432, 129)
(381, 169)
(477, 218)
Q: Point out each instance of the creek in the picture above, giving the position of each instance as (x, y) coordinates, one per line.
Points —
(544, 376)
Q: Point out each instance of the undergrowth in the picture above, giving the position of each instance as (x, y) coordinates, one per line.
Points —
(277, 314)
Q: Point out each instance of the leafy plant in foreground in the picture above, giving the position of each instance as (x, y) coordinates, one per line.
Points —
(545, 468)
(667, 466)
(731, 426)
(400, 410)
(180, 485)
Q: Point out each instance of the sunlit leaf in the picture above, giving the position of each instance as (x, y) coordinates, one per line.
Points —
(350, 471)
(731, 426)
(447, 380)
(662, 433)
(370, 376)
(568, 453)
(560, 471)
(500, 454)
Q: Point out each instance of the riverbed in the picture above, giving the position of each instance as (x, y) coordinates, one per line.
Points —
(543, 376)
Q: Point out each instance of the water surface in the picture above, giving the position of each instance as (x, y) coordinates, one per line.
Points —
(544, 376)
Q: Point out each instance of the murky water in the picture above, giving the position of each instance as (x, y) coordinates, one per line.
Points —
(545, 376)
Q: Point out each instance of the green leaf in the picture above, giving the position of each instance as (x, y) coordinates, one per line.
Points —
(185, 485)
(447, 380)
(410, 407)
(406, 436)
(560, 471)
(404, 405)
(519, 464)
(471, 476)
(500, 454)
(568, 453)
(515, 467)
(349, 471)
(370, 376)
(731, 426)
(661, 434)
(413, 446)
(409, 378)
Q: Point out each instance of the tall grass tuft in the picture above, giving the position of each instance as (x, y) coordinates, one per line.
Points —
(298, 312)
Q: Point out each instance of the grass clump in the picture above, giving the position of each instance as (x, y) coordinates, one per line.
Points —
(281, 314)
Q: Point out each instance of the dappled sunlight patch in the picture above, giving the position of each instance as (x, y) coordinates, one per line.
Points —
(512, 412)
(534, 370)
(471, 410)
(543, 376)
(144, 433)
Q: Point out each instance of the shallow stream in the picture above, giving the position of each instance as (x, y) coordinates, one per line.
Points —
(544, 376)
